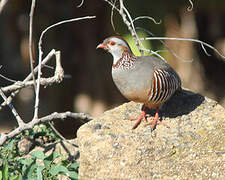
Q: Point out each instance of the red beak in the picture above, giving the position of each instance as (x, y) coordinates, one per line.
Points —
(103, 46)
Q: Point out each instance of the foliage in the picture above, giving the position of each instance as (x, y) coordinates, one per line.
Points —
(133, 46)
(36, 165)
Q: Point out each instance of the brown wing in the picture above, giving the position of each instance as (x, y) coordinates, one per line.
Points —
(164, 83)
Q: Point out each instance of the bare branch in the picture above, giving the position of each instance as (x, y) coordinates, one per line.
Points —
(45, 60)
(148, 17)
(56, 131)
(203, 47)
(31, 124)
(113, 7)
(8, 79)
(40, 57)
(170, 50)
(43, 81)
(30, 42)
(59, 73)
(112, 4)
(82, 2)
(130, 25)
(18, 118)
(186, 39)
(190, 8)
(129, 22)
(2, 4)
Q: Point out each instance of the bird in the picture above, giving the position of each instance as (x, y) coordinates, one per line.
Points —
(142, 79)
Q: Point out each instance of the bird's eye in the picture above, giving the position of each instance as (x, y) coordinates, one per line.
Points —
(112, 43)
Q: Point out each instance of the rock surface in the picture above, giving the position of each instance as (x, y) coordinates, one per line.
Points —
(192, 148)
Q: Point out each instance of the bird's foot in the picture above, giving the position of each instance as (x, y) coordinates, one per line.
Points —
(155, 122)
(143, 115)
(139, 117)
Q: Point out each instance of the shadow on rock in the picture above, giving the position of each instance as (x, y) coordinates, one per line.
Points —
(182, 102)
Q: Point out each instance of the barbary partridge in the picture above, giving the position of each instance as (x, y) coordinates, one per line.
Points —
(143, 79)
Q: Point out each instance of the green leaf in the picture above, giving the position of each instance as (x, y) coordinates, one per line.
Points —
(39, 172)
(10, 146)
(49, 159)
(31, 170)
(74, 165)
(73, 175)
(47, 163)
(21, 177)
(0, 175)
(26, 161)
(52, 156)
(5, 171)
(38, 154)
(132, 43)
(58, 169)
(15, 177)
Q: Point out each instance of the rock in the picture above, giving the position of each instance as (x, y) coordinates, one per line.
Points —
(25, 145)
(192, 148)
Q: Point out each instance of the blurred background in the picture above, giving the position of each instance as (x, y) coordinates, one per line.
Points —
(90, 88)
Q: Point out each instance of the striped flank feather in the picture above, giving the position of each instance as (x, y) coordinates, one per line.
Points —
(164, 84)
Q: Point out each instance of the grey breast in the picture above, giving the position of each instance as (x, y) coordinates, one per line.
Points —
(136, 83)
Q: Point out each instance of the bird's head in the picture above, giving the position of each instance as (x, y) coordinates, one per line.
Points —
(116, 46)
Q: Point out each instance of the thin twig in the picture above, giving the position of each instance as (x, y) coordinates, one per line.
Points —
(40, 57)
(128, 22)
(18, 118)
(45, 60)
(31, 124)
(170, 50)
(190, 8)
(130, 25)
(113, 7)
(112, 4)
(59, 73)
(2, 4)
(8, 79)
(56, 131)
(30, 42)
(82, 2)
(147, 17)
(20, 85)
(203, 47)
(186, 39)
(13, 94)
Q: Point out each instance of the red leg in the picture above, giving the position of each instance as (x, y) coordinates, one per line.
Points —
(156, 120)
(142, 116)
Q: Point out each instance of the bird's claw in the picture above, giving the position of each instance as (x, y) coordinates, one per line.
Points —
(155, 122)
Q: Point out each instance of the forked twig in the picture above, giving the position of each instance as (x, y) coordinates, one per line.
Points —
(40, 57)
(9, 99)
(124, 13)
(18, 118)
